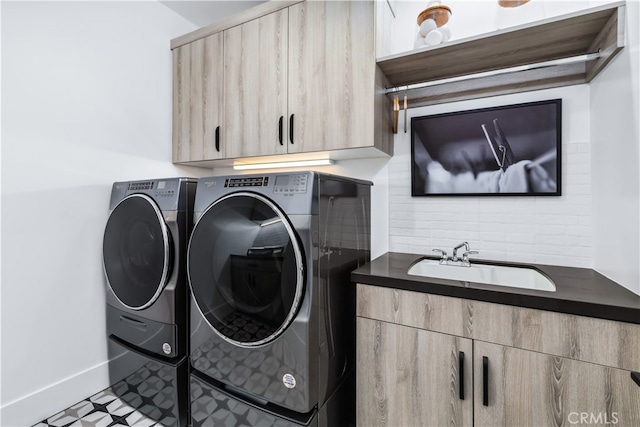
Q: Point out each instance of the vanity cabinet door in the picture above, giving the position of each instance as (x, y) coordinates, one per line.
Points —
(197, 100)
(255, 88)
(527, 388)
(411, 377)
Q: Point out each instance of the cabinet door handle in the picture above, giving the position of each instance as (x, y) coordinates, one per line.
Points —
(485, 380)
(291, 129)
(461, 373)
(280, 129)
(635, 376)
(218, 139)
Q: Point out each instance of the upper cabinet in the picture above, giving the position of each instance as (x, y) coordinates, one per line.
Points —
(296, 78)
(331, 75)
(255, 89)
(197, 100)
(563, 50)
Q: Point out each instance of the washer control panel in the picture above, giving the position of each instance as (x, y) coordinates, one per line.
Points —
(291, 184)
(166, 188)
(160, 188)
(259, 181)
(138, 186)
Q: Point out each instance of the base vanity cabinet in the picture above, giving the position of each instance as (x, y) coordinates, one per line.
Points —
(396, 380)
(517, 366)
(527, 388)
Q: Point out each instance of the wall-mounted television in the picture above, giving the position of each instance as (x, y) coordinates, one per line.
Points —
(505, 150)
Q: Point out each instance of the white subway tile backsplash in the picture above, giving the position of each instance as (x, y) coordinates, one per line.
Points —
(546, 230)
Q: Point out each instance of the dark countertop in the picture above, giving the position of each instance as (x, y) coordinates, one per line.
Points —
(580, 291)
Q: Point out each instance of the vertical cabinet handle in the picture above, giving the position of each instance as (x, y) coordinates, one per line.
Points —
(485, 380)
(218, 139)
(461, 373)
(635, 376)
(280, 129)
(291, 129)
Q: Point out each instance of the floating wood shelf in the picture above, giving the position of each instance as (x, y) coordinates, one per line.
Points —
(527, 57)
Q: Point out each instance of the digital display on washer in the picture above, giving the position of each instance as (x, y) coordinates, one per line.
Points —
(282, 180)
(166, 188)
(290, 184)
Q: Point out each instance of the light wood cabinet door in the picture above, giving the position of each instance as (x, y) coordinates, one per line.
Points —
(526, 388)
(331, 75)
(197, 100)
(255, 88)
(411, 377)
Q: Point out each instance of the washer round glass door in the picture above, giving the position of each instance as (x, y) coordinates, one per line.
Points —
(245, 269)
(136, 251)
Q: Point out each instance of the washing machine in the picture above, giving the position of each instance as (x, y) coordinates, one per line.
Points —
(144, 260)
(272, 305)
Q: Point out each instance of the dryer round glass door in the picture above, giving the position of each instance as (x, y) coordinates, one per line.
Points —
(136, 251)
(245, 269)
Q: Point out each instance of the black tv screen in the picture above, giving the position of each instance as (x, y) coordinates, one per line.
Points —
(506, 150)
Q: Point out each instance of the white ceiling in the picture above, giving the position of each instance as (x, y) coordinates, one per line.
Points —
(206, 12)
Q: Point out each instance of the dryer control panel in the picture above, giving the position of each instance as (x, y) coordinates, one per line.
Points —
(169, 194)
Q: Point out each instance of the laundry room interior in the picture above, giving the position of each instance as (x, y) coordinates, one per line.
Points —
(94, 96)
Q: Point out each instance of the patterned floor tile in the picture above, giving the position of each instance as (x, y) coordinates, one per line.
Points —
(71, 414)
(104, 397)
(119, 408)
(143, 399)
(94, 419)
(103, 409)
(138, 419)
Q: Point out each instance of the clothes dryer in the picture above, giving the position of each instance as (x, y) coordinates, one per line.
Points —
(144, 260)
(273, 308)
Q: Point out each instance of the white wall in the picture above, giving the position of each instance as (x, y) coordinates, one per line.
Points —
(615, 131)
(86, 101)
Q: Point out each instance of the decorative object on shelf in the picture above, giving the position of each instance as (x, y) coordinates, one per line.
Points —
(517, 12)
(507, 150)
(512, 3)
(433, 28)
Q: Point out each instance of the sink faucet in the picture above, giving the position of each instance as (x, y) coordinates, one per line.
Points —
(464, 261)
(464, 245)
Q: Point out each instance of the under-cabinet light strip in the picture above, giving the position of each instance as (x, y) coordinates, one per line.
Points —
(300, 163)
(554, 62)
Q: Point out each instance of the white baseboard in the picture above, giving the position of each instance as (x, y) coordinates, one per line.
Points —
(35, 407)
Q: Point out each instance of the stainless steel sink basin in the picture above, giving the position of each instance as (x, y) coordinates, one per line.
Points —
(498, 275)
